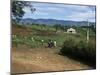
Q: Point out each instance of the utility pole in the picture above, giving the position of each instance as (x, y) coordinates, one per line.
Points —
(87, 31)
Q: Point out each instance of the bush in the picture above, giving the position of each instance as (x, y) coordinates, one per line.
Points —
(80, 49)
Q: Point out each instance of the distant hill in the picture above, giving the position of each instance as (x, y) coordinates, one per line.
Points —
(54, 21)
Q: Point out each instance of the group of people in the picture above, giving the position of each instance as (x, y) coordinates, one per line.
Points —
(50, 43)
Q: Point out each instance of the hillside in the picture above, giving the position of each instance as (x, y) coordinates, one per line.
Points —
(54, 21)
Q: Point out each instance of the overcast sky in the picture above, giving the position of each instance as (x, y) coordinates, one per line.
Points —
(61, 12)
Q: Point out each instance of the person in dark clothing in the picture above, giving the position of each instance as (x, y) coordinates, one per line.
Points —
(50, 43)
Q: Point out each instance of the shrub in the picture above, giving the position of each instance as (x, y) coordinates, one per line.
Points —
(80, 49)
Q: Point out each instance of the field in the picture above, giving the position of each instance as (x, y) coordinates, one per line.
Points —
(29, 54)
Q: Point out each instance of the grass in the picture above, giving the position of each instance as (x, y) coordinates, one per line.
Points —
(36, 42)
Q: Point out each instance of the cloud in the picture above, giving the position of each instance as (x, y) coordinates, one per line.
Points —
(61, 11)
(82, 16)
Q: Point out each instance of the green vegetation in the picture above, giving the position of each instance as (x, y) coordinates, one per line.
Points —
(72, 45)
(17, 10)
(38, 33)
(79, 49)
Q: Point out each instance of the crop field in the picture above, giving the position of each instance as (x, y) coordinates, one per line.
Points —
(30, 54)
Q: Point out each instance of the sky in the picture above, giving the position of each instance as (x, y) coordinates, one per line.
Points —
(61, 12)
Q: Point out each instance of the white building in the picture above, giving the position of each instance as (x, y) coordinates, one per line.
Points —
(71, 30)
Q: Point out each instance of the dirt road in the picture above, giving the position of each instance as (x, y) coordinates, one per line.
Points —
(42, 60)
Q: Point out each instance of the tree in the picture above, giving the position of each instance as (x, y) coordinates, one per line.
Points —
(17, 11)
(92, 27)
(57, 26)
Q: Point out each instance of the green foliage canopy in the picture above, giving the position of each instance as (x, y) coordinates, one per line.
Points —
(17, 11)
